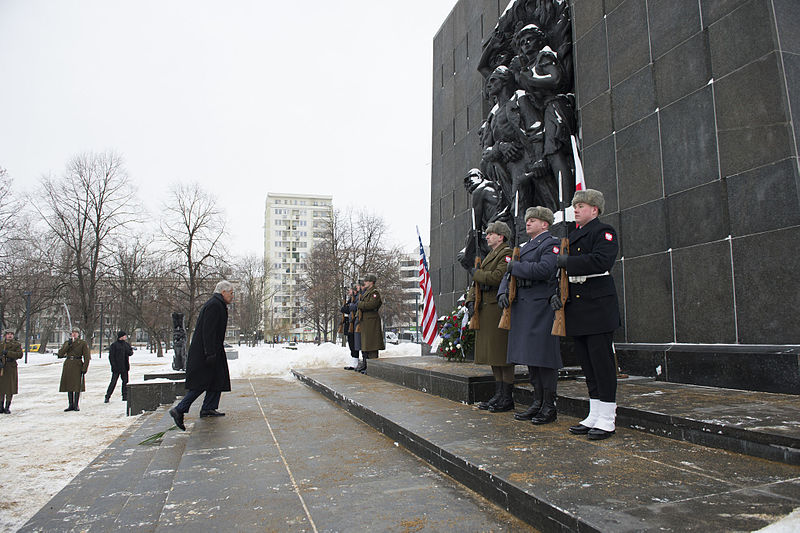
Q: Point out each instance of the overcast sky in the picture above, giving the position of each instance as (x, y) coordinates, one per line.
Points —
(243, 96)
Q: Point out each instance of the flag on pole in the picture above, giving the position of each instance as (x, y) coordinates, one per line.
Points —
(580, 181)
(429, 325)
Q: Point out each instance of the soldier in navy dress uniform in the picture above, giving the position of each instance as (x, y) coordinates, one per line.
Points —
(530, 341)
(591, 312)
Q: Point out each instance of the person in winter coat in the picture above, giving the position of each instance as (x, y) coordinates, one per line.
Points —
(369, 322)
(118, 355)
(592, 310)
(206, 362)
(349, 310)
(10, 351)
(530, 341)
(75, 353)
(491, 342)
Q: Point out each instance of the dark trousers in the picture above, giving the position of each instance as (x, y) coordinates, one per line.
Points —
(372, 354)
(210, 402)
(113, 384)
(351, 343)
(596, 357)
(543, 378)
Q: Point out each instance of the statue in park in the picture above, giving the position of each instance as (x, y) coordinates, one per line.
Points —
(178, 342)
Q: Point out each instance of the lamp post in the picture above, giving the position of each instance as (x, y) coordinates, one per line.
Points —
(27, 323)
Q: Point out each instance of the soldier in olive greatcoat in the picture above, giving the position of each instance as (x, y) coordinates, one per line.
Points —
(491, 342)
(75, 353)
(369, 322)
(10, 351)
(530, 341)
(592, 311)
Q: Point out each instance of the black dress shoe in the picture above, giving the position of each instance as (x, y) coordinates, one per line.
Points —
(599, 434)
(105, 401)
(212, 412)
(178, 418)
(580, 429)
(349, 368)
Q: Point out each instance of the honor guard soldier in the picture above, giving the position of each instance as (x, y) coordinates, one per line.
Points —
(491, 342)
(369, 321)
(592, 312)
(10, 351)
(530, 341)
(75, 353)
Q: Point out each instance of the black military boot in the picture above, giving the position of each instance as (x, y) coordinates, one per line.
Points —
(7, 409)
(2, 399)
(362, 365)
(506, 401)
(75, 405)
(71, 400)
(548, 412)
(498, 392)
(533, 410)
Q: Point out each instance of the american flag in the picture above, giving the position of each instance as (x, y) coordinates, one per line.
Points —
(429, 325)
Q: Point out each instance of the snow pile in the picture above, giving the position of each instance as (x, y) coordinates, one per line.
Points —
(44, 447)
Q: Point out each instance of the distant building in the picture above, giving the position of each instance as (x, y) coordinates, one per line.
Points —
(293, 224)
(409, 281)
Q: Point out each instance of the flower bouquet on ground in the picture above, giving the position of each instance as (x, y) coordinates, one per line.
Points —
(457, 341)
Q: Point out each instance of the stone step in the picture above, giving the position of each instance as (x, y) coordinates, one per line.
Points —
(759, 424)
(556, 481)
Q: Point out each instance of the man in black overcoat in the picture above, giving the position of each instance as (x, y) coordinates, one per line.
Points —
(592, 310)
(206, 363)
(119, 356)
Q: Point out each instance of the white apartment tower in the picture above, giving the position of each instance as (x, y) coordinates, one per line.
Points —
(293, 224)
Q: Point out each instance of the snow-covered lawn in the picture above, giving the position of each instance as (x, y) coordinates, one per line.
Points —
(44, 447)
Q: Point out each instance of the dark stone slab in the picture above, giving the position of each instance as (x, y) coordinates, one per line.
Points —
(599, 162)
(648, 298)
(682, 70)
(148, 396)
(698, 215)
(643, 229)
(764, 199)
(688, 142)
(585, 14)
(743, 36)
(638, 165)
(165, 375)
(634, 98)
(628, 42)
(671, 23)
(595, 118)
(765, 270)
(791, 65)
(787, 17)
(591, 64)
(704, 310)
(751, 136)
(553, 480)
(714, 10)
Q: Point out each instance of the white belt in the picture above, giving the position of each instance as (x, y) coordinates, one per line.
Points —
(582, 279)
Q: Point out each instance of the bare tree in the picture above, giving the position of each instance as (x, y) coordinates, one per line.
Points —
(249, 305)
(193, 228)
(9, 212)
(85, 208)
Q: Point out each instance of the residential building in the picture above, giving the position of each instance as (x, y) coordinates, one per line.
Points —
(293, 224)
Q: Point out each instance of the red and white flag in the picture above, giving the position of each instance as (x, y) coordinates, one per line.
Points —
(429, 326)
(580, 182)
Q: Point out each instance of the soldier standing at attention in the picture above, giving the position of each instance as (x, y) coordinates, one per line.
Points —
(75, 353)
(370, 321)
(530, 341)
(592, 311)
(10, 351)
(491, 342)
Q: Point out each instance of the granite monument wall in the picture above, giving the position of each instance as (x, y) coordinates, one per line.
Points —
(688, 114)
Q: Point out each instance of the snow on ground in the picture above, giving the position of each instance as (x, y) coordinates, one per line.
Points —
(44, 447)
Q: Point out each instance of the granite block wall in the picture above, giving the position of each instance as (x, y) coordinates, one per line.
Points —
(688, 115)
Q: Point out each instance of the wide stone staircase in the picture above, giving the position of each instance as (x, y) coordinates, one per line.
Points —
(290, 458)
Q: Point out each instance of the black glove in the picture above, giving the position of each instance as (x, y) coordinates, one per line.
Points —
(471, 271)
(70, 341)
(510, 265)
(5, 353)
(210, 359)
(555, 302)
(502, 301)
(470, 308)
(561, 260)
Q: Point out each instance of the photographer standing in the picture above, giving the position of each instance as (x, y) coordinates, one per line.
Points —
(10, 351)
(77, 357)
(119, 356)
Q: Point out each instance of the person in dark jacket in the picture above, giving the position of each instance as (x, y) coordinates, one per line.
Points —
(119, 356)
(10, 351)
(592, 311)
(75, 353)
(206, 362)
(349, 310)
(530, 341)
